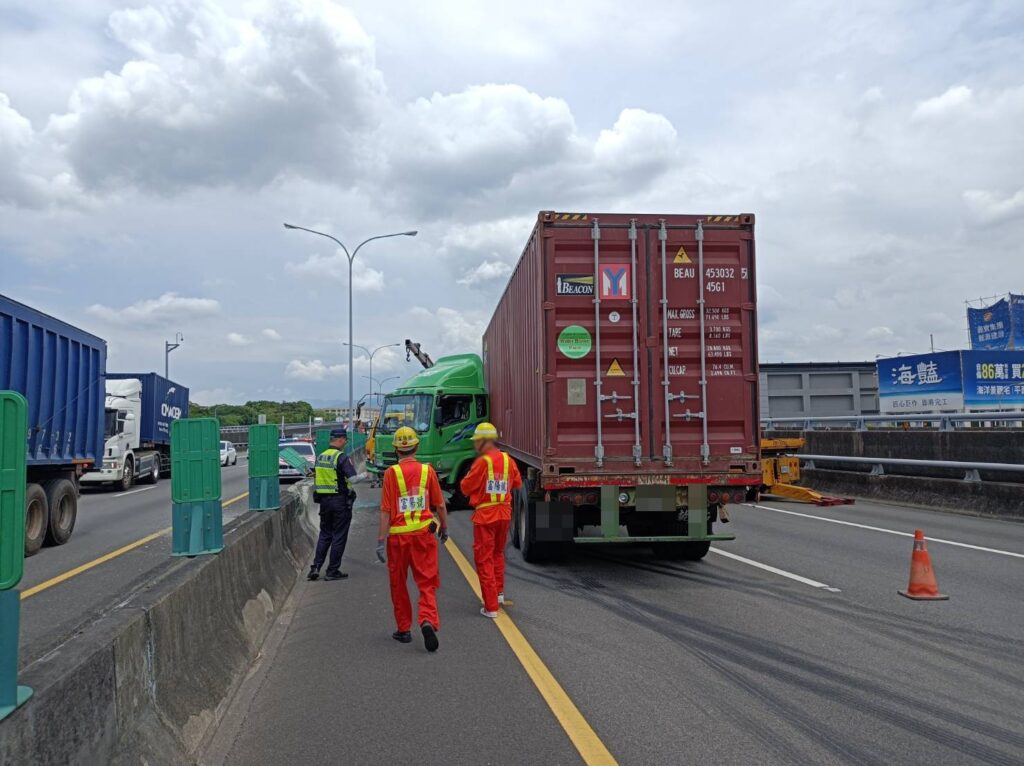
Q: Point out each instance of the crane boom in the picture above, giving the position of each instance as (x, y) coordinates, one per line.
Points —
(413, 350)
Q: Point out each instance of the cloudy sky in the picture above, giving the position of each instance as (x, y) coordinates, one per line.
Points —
(149, 153)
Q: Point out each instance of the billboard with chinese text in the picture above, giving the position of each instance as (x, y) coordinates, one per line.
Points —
(924, 383)
(993, 379)
(991, 327)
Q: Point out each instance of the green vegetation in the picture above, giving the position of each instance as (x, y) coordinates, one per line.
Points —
(248, 413)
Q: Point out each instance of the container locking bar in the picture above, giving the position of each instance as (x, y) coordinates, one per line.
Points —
(705, 448)
(595, 234)
(666, 449)
(637, 451)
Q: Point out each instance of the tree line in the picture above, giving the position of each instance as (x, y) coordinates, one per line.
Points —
(249, 413)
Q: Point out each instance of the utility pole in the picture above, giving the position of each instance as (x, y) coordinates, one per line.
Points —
(169, 346)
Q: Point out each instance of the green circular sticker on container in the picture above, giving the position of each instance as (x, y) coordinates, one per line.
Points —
(574, 341)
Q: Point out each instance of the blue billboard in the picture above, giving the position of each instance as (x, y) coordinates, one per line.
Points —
(993, 379)
(921, 383)
(991, 327)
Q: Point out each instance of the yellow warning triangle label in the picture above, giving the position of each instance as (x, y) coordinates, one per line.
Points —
(681, 256)
(615, 370)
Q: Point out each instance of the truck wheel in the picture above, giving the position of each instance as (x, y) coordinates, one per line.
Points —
(518, 506)
(127, 475)
(153, 476)
(63, 502)
(682, 551)
(532, 551)
(37, 514)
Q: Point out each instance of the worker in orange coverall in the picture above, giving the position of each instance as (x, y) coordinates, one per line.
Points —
(489, 485)
(407, 525)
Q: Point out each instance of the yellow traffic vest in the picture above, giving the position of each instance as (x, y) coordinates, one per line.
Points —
(497, 489)
(411, 506)
(326, 479)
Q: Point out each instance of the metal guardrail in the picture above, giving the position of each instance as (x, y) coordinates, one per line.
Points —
(971, 470)
(946, 422)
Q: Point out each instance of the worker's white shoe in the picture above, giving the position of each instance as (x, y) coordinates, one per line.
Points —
(485, 613)
(501, 599)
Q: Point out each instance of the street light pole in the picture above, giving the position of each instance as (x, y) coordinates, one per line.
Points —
(351, 258)
(370, 354)
(168, 348)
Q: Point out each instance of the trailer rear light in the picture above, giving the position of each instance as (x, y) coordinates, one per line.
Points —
(726, 497)
(712, 497)
(623, 498)
(591, 498)
(577, 499)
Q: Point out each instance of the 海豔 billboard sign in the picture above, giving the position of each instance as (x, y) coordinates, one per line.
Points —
(924, 383)
(993, 379)
(991, 327)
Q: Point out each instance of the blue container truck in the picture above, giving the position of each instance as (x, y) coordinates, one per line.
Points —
(59, 370)
(139, 410)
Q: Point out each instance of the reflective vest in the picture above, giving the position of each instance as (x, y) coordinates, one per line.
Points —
(326, 480)
(412, 505)
(497, 489)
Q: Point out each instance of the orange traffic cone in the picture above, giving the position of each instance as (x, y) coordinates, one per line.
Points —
(922, 585)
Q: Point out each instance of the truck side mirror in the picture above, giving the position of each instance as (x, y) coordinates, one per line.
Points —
(438, 416)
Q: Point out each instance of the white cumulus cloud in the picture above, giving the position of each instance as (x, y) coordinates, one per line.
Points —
(270, 333)
(237, 339)
(169, 307)
(313, 369)
(485, 272)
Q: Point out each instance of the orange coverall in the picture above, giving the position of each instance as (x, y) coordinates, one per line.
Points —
(491, 518)
(416, 550)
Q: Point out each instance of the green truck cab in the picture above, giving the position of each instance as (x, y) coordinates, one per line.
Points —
(443, 404)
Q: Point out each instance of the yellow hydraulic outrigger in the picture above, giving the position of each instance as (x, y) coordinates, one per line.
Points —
(780, 470)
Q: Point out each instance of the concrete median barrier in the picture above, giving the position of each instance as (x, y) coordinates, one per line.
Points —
(987, 498)
(149, 681)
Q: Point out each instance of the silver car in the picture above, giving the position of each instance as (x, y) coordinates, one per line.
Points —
(304, 448)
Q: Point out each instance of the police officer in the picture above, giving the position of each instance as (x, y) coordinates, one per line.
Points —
(334, 477)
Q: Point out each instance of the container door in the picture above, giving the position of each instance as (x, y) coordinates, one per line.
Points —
(597, 394)
(705, 384)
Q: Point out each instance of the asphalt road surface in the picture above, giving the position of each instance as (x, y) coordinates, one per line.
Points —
(798, 651)
(107, 521)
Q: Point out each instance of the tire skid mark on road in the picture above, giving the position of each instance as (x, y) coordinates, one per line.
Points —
(732, 653)
(871, 528)
(920, 632)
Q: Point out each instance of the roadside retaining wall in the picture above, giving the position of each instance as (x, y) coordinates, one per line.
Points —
(148, 682)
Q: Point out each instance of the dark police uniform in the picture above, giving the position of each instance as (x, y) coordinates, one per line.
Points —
(335, 496)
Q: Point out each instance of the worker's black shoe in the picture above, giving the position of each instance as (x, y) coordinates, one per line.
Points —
(313, 575)
(402, 636)
(336, 575)
(429, 637)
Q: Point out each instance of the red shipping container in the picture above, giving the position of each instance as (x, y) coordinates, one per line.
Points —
(601, 367)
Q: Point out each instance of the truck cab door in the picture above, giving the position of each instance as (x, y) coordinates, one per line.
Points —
(454, 419)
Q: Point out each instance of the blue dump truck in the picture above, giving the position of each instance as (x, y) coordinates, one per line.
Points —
(138, 412)
(59, 369)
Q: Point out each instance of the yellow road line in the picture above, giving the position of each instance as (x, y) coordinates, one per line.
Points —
(28, 592)
(583, 737)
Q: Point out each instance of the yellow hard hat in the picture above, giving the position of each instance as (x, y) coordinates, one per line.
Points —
(485, 431)
(405, 438)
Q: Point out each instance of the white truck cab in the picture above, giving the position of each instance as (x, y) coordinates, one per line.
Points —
(125, 457)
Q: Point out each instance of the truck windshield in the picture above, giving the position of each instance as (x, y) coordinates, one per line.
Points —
(411, 410)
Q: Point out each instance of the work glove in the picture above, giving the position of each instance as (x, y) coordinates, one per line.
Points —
(380, 552)
(358, 478)
(442, 535)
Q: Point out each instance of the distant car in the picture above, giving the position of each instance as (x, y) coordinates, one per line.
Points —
(304, 448)
(228, 454)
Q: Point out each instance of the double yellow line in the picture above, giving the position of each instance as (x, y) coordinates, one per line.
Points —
(582, 735)
(29, 592)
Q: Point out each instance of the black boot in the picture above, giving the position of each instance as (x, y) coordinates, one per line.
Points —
(313, 575)
(402, 636)
(429, 637)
